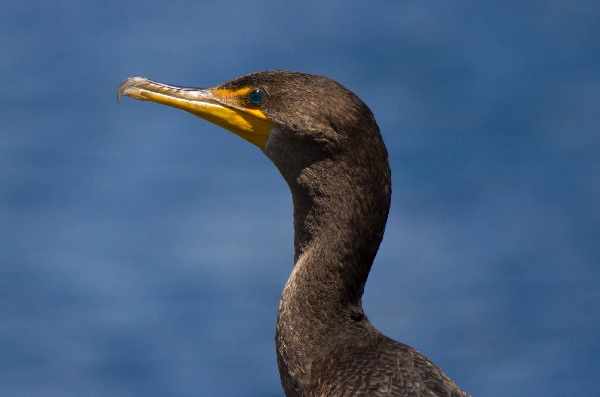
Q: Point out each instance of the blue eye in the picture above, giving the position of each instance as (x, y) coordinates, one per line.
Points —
(256, 97)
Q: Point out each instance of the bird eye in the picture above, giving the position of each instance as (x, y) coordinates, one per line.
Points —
(256, 97)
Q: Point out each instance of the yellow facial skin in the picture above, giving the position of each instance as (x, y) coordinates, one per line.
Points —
(225, 108)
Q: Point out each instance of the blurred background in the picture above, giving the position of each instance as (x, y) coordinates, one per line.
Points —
(143, 250)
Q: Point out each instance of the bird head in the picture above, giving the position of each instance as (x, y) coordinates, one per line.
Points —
(296, 119)
(305, 107)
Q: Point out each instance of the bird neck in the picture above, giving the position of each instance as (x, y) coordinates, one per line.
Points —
(339, 219)
(340, 210)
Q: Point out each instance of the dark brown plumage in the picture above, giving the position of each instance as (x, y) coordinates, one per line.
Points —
(327, 146)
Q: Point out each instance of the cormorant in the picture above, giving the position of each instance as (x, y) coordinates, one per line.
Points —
(325, 142)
